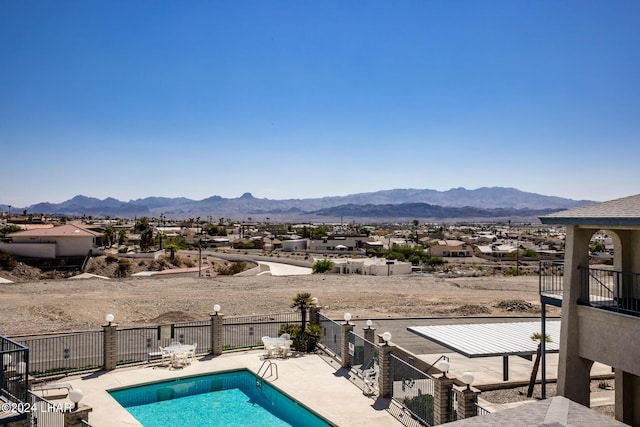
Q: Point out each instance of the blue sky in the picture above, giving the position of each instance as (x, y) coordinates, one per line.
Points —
(301, 99)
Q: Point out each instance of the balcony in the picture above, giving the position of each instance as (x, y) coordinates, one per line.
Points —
(600, 288)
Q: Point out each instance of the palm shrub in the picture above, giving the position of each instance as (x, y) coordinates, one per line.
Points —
(304, 341)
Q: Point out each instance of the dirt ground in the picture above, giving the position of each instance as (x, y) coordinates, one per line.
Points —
(38, 306)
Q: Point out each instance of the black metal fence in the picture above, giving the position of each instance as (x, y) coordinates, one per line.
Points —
(551, 275)
(14, 363)
(481, 410)
(64, 353)
(84, 351)
(612, 290)
(364, 354)
(414, 390)
(331, 335)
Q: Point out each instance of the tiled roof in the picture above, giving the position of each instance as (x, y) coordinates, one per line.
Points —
(619, 212)
(62, 230)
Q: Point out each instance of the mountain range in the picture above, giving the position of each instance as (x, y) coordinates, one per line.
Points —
(395, 205)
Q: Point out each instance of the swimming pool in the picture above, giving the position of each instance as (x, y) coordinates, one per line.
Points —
(231, 398)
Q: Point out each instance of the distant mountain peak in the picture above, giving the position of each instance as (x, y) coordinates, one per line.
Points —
(418, 203)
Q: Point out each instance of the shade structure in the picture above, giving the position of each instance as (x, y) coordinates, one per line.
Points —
(491, 339)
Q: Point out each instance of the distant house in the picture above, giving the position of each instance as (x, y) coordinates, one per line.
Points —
(61, 241)
(336, 243)
(450, 248)
(369, 266)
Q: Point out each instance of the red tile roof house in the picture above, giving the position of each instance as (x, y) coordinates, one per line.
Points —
(62, 241)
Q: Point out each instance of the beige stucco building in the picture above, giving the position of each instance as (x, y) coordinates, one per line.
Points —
(61, 241)
(601, 307)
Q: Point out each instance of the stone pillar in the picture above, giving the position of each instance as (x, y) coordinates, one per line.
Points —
(467, 399)
(441, 399)
(110, 346)
(370, 336)
(385, 376)
(346, 357)
(74, 417)
(216, 334)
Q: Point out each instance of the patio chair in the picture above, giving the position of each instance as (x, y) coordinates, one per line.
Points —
(192, 352)
(269, 349)
(165, 356)
(180, 359)
(286, 348)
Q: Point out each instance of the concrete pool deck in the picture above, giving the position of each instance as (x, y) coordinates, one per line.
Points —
(307, 378)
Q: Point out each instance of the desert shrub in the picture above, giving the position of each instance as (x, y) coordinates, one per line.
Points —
(322, 266)
(123, 250)
(111, 258)
(7, 261)
(124, 267)
(233, 268)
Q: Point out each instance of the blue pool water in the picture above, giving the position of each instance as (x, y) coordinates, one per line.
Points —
(236, 398)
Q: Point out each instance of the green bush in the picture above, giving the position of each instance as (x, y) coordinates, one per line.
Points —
(322, 266)
(302, 341)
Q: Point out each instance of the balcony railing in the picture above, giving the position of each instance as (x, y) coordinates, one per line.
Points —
(14, 374)
(600, 288)
(611, 290)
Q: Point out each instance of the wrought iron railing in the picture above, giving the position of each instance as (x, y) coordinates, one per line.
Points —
(364, 354)
(14, 374)
(607, 289)
(55, 354)
(481, 410)
(331, 335)
(414, 390)
(64, 353)
(551, 275)
(611, 290)
(247, 331)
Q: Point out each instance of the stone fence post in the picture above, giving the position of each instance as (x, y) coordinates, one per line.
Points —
(442, 399)
(346, 356)
(74, 418)
(385, 375)
(467, 400)
(110, 346)
(216, 333)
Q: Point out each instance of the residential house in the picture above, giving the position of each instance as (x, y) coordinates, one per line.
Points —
(450, 248)
(600, 307)
(61, 241)
(344, 243)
